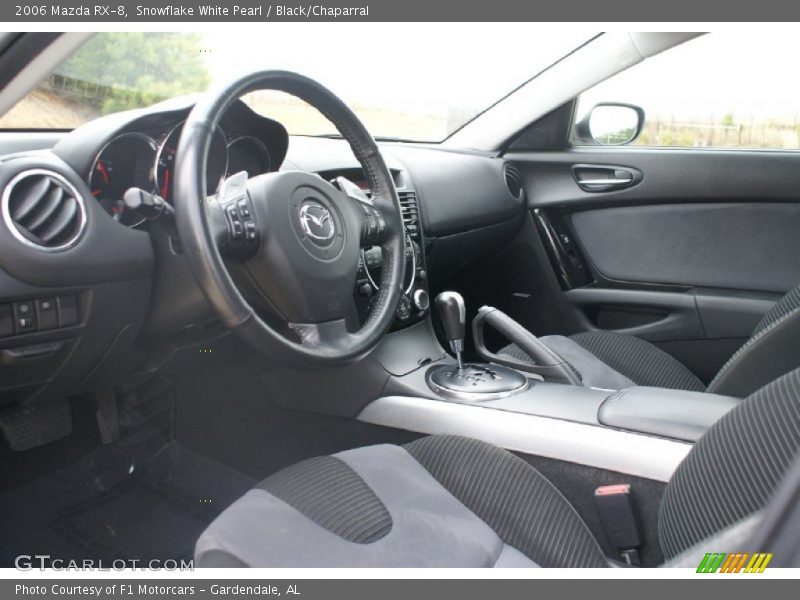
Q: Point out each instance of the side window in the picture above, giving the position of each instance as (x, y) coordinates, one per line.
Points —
(721, 90)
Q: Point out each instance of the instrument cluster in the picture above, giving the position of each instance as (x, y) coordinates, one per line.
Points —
(147, 161)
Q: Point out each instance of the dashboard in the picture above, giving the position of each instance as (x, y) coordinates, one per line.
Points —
(122, 291)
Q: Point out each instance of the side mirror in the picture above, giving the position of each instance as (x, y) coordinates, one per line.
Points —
(611, 124)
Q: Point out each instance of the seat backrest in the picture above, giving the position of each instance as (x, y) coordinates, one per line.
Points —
(734, 468)
(772, 350)
(783, 307)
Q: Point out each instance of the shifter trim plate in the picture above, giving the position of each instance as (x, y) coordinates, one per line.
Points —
(475, 382)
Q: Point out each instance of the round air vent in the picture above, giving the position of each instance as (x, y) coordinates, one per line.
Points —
(513, 181)
(44, 210)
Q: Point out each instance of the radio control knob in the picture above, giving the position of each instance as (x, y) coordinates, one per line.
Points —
(421, 300)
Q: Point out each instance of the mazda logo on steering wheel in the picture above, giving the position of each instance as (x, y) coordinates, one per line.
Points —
(317, 221)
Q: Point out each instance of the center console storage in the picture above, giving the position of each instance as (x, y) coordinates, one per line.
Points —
(676, 414)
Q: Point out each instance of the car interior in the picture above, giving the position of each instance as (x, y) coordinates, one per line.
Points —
(519, 347)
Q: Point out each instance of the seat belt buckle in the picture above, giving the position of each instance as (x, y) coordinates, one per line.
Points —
(617, 509)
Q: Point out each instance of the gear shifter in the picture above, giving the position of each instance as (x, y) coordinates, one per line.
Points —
(471, 382)
(453, 314)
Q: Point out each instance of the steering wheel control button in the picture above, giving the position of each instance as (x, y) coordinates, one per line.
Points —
(241, 226)
(235, 204)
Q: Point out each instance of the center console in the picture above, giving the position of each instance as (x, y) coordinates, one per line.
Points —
(640, 431)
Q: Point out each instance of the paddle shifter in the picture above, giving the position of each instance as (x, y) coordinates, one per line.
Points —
(454, 320)
(468, 382)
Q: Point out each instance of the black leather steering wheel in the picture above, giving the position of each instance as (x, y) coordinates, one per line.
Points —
(290, 239)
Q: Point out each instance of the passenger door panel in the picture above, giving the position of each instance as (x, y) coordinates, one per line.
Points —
(689, 258)
(747, 245)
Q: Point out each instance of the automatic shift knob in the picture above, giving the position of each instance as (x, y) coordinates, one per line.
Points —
(454, 317)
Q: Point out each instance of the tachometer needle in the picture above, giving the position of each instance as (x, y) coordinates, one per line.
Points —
(165, 185)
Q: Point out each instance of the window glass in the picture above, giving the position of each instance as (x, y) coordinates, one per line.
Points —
(721, 90)
(421, 85)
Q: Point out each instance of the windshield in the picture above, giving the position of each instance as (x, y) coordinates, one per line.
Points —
(421, 85)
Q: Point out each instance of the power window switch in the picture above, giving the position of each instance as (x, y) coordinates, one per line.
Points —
(67, 311)
(47, 313)
(24, 316)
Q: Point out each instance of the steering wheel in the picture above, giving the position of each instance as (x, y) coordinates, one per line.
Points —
(290, 238)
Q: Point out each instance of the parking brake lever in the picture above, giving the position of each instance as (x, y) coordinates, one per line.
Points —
(546, 363)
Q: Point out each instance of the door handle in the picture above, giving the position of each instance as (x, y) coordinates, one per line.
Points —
(608, 181)
(602, 178)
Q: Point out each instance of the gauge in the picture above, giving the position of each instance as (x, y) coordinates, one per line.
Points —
(216, 166)
(123, 163)
(249, 154)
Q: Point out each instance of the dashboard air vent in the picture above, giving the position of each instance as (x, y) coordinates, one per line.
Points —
(44, 210)
(513, 181)
(408, 204)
